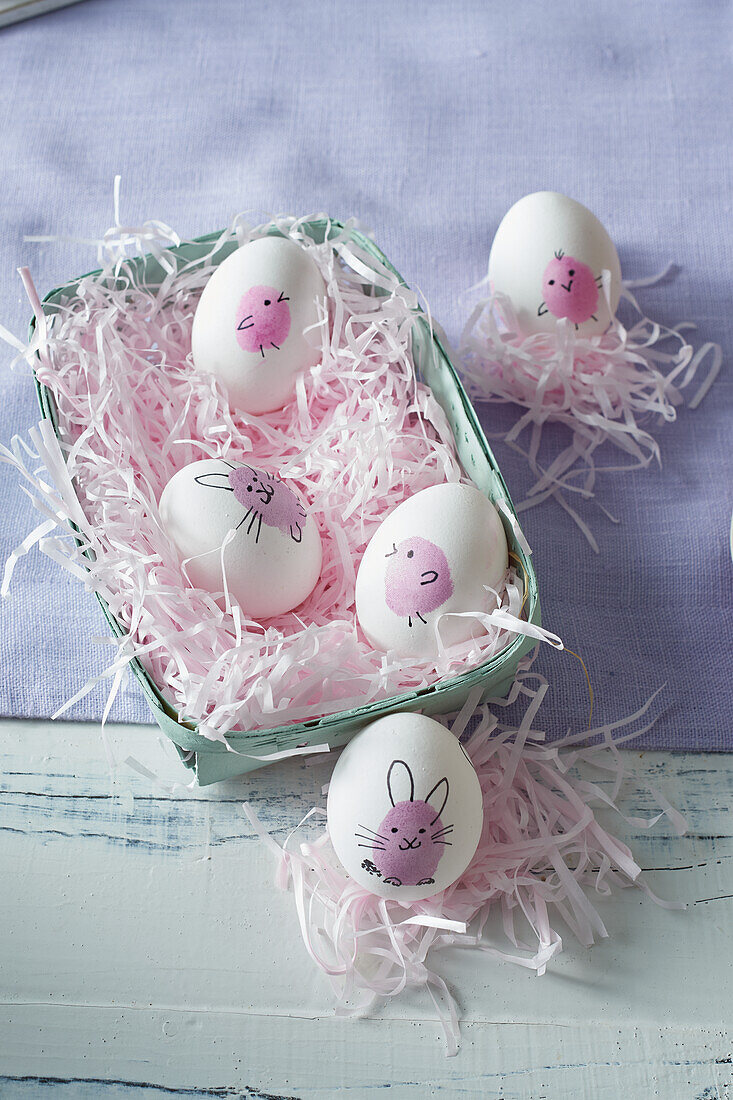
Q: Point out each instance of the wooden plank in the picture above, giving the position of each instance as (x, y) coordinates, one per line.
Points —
(242, 1055)
(145, 943)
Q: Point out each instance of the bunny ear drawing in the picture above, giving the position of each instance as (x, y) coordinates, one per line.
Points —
(399, 780)
(214, 480)
(438, 798)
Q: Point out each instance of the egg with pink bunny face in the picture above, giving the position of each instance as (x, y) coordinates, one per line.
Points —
(244, 529)
(433, 567)
(405, 809)
(556, 263)
(258, 323)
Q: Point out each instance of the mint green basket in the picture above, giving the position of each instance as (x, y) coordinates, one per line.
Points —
(213, 761)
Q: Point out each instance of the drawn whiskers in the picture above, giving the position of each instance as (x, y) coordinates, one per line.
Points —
(439, 836)
(374, 839)
(256, 518)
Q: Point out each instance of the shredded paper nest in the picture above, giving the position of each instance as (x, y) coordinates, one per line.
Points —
(613, 388)
(361, 436)
(545, 861)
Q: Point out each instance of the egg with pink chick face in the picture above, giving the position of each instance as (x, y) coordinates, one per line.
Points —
(405, 809)
(439, 558)
(551, 257)
(258, 322)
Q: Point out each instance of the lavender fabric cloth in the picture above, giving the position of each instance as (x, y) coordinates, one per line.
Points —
(426, 121)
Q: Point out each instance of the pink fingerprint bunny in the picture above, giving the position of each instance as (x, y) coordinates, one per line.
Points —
(265, 497)
(409, 843)
(263, 319)
(570, 289)
(417, 579)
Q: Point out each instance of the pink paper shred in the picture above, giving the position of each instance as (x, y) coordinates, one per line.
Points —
(361, 435)
(544, 857)
(608, 388)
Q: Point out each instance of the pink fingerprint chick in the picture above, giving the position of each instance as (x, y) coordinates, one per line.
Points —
(570, 289)
(263, 319)
(417, 579)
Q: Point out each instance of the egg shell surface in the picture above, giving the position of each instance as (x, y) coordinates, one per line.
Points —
(405, 810)
(433, 554)
(250, 325)
(548, 256)
(273, 560)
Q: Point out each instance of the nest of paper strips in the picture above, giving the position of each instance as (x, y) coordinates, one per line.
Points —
(611, 388)
(362, 434)
(544, 857)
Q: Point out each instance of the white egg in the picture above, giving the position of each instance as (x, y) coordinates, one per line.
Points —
(548, 256)
(434, 554)
(250, 325)
(272, 559)
(405, 809)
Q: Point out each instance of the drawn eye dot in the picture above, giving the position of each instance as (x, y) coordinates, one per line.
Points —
(571, 272)
(410, 553)
(552, 282)
(394, 830)
(421, 830)
(267, 301)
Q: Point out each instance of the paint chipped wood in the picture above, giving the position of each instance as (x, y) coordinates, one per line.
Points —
(147, 953)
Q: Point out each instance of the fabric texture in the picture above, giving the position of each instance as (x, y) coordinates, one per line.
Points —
(426, 123)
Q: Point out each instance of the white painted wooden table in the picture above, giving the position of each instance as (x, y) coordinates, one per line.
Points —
(145, 951)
